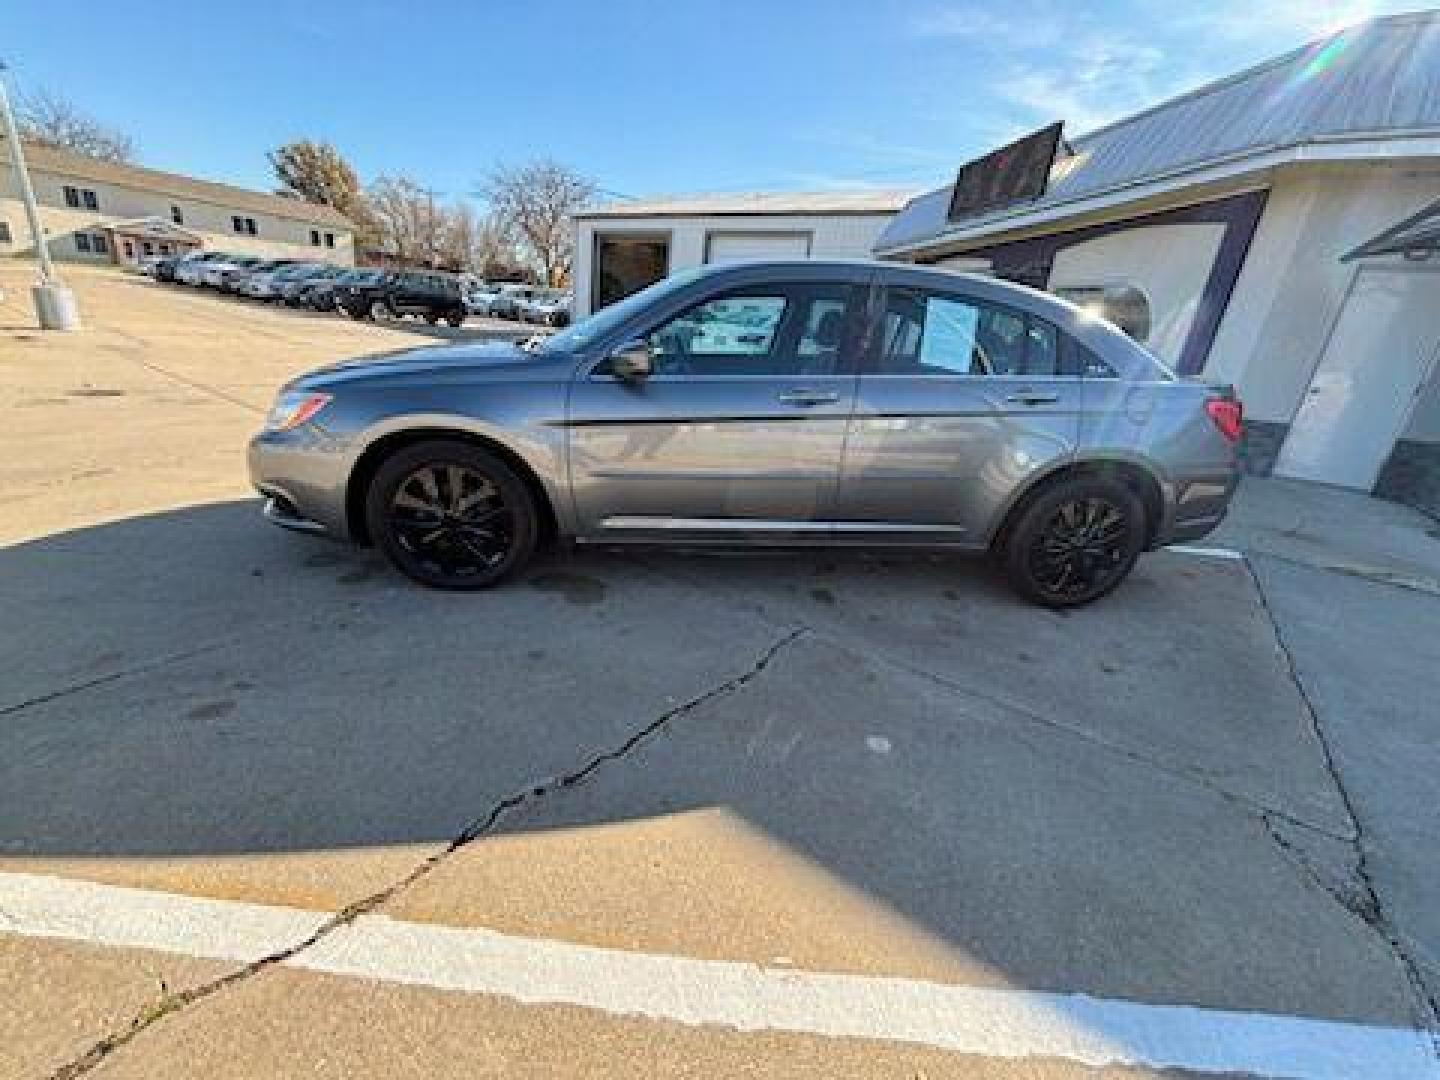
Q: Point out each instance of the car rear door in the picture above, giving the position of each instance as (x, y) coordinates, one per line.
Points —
(959, 402)
(739, 428)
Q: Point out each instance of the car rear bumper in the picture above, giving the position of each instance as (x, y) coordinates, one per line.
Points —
(1199, 504)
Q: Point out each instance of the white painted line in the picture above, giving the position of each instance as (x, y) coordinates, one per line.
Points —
(1208, 552)
(971, 1020)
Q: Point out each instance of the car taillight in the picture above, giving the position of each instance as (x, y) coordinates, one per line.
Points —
(1227, 415)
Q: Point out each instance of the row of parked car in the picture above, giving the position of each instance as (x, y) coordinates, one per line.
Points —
(361, 293)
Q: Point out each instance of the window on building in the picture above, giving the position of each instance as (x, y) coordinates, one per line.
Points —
(164, 249)
(82, 242)
(936, 334)
(72, 196)
(92, 201)
(177, 215)
(237, 223)
(330, 239)
(315, 237)
(100, 244)
(5, 237)
(250, 226)
(129, 250)
(148, 248)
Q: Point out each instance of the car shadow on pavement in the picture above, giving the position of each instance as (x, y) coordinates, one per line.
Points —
(1071, 800)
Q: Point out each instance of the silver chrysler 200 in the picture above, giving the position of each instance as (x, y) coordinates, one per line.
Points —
(782, 403)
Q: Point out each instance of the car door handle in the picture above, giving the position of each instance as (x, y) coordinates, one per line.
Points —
(1032, 397)
(807, 397)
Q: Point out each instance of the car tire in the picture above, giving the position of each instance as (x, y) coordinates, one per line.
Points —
(455, 318)
(1074, 542)
(431, 536)
(380, 311)
(432, 317)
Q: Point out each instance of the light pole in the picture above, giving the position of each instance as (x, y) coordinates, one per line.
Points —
(54, 302)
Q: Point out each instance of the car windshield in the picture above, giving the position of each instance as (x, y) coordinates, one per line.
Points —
(607, 320)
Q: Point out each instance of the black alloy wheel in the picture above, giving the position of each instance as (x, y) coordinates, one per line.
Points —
(451, 515)
(1075, 542)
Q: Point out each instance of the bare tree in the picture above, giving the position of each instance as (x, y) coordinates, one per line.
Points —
(538, 200)
(409, 220)
(52, 120)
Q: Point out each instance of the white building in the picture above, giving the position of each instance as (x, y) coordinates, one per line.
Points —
(101, 212)
(625, 246)
(1278, 229)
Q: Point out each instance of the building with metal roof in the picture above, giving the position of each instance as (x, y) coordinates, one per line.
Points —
(628, 244)
(1277, 229)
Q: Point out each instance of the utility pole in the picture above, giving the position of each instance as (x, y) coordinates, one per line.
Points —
(54, 302)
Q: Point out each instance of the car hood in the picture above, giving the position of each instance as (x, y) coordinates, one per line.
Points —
(500, 358)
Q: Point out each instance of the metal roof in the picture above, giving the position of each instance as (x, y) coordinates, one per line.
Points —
(52, 159)
(1378, 79)
(756, 204)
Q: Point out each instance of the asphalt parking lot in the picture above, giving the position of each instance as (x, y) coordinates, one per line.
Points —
(1193, 826)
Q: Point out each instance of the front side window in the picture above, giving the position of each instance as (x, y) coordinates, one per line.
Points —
(734, 335)
(925, 333)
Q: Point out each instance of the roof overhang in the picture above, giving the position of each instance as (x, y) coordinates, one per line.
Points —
(1389, 147)
(1420, 232)
(156, 228)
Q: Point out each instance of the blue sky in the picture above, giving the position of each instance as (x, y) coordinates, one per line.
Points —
(644, 96)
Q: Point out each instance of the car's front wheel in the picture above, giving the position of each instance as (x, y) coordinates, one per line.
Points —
(1074, 542)
(451, 515)
(455, 317)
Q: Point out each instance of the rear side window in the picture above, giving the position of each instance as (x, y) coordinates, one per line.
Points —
(925, 333)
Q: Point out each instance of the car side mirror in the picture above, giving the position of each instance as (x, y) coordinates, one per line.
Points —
(631, 362)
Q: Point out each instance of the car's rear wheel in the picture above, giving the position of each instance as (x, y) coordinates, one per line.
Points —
(432, 317)
(355, 312)
(451, 515)
(455, 317)
(1074, 542)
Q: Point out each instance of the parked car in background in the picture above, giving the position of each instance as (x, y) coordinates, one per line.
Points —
(165, 268)
(291, 288)
(713, 406)
(430, 294)
(232, 279)
(322, 294)
(506, 302)
(190, 267)
(478, 298)
(549, 307)
(263, 282)
(148, 264)
(213, 274)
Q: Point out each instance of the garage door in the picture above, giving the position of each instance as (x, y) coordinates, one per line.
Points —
(729, 246)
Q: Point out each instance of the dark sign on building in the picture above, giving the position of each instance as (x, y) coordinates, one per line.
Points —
(1014, 173)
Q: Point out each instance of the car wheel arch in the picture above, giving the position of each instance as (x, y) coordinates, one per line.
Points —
(362, 474)
(1134, 475)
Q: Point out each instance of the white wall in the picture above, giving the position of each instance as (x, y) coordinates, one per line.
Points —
(833, 236)
(1167, 263)
(276, 236)
(1293, 282)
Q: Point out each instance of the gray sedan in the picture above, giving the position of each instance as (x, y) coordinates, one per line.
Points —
(780, 403)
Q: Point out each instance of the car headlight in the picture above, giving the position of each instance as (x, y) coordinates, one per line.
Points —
(293, 408)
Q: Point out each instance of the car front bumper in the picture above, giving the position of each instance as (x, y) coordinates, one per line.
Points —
(303, 475)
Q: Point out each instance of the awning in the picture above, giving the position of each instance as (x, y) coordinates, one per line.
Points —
(1420, 232)
(154, 228)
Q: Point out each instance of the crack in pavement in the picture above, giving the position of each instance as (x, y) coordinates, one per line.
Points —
(172, 1003)
(1368, 907)
(1251, 806)
(114, 676)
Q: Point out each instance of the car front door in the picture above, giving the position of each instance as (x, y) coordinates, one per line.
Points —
(960, 401)
(739, 427)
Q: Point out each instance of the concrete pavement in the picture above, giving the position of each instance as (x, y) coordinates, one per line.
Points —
(851, 764)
